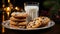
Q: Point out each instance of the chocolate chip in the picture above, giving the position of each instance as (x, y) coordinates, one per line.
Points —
(40, 21)
(42, 18)
(30, 26)
(34, 21)
(15, 14)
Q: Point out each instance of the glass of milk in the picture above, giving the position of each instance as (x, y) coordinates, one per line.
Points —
(32, 9)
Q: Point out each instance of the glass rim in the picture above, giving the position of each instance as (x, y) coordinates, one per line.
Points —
(30, 3)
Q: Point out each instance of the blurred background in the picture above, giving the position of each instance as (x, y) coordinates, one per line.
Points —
(49, 8)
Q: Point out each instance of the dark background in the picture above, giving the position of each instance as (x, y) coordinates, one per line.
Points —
(20, 2)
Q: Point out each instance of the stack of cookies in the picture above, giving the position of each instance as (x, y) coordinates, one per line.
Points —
(18, 20)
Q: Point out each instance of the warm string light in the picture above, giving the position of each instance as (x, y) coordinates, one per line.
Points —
(8, 13)
(3, 5)
(8, 1)
(8, 9)
(16, 8)
(3, 30)
(3, 21)
(3, 17)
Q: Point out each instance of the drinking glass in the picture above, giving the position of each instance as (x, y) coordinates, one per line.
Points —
(31, 9)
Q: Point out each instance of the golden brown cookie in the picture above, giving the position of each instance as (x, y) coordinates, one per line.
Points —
(13, 26)
(14, 19)
(18, 14)
(18, 23)
(16, 26)
(23, 23)
(11, 22)
(34, 24)
(45, 20)
(21, 26)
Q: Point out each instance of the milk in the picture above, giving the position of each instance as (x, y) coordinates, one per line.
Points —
(32, 11)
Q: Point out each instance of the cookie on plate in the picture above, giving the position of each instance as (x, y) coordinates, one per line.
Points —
(18, 14)
(45, 20)
(17, 20)
(34, 24)
(16, 26)
(18, 23)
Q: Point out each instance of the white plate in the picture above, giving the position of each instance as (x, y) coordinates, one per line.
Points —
(6, 25)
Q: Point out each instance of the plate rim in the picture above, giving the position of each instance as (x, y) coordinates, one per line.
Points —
(53, 23)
